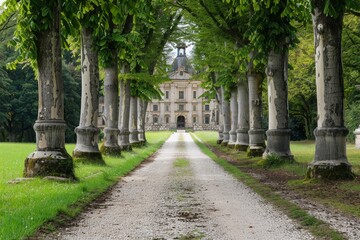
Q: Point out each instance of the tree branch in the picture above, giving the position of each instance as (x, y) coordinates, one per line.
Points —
(4, 26)
(175, 21)
(183, 6)
(128, 24)
(207, 10)
(225, 29)
(353, 12)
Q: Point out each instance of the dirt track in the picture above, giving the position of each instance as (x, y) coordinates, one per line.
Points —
(182, 194)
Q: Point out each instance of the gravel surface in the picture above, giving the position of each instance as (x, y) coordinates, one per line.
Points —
(182, 194)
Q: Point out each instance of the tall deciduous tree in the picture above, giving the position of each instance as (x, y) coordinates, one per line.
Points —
(37, 38)
(21, 92)
(271, 32)
(119, 23)
(124, 108)
(88, 15)
(330, 161)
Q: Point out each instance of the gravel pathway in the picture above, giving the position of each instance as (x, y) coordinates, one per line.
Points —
(182, 194)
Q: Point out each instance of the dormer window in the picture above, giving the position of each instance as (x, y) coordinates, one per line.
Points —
(181, 73)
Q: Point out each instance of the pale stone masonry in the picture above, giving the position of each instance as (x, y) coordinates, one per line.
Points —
(181, 106)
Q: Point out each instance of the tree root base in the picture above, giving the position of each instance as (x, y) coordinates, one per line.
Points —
(241, 148)
(114, 151)
(56, 163)
(328, 170)
(88, 157)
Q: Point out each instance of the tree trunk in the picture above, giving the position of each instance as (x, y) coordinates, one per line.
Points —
(234, 118)
(124, 110)
(141, 120)
(221, 125)
(111, 100)
(50, 157)
(87, 132)
(242, 139)
(134, 138)
(146, 103)
(278, 135)
(226, 118)
(308, 132)
(330, 161)
(256, 132)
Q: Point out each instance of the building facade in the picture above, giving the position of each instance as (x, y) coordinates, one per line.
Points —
(181, 106)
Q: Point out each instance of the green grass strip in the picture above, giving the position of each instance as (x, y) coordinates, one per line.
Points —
(181, 163)
(26, 206)
(317, 227)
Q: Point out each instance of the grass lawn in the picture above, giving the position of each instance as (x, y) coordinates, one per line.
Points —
(303, 151)
(26, 206)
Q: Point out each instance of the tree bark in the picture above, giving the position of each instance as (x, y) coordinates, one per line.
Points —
(256, 132)
(141, 120)
(221, 125)
(146, 104)
(134, 138)
(234, 118)
(226, 118)
(330, 161)
(124, 110)
(278, 135)
(86, 148)
(50, 157)
(242, 138)
(111, 100)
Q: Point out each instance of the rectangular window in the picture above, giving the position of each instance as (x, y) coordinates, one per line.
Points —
(155, 108)
(194, 107)
(167, 94)
(167, 107)
(181, 94)
(194, 119)
(181, 107)
(167, 119)
(194, 94)
(207, 119)
(207, 107)
(155, 119)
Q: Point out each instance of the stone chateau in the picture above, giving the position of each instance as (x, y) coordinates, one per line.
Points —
(181, 106)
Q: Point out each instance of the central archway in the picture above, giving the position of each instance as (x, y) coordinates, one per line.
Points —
(180, 123)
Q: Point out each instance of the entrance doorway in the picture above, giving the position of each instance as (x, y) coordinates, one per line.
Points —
(180, 123)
